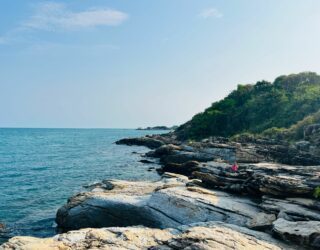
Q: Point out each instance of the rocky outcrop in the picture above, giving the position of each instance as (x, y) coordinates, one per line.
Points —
(179, 154)
(176, 201)
(283, 194)
(311, 141)
(242, 151)
(292, 209)
(180, 214)
(259, 179)
(300, 232)
(214, 209)
(171, 202)
(212, 235)
(180, 157)
(186, 168)
(288, 155)
(164, 150)
(312, 131)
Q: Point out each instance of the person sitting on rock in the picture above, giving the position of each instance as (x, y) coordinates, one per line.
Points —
(234, 167)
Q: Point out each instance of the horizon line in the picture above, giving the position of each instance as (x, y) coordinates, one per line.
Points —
(72, 128)
(60, 128)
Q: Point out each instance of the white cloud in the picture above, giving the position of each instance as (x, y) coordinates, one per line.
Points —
(210, 13)
(55, 16)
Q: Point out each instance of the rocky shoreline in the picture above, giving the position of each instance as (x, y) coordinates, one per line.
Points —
(199, 203)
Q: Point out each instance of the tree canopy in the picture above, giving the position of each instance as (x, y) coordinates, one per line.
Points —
(255, 108)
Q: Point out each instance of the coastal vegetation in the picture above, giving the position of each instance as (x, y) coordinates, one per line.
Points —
(317, 193)
(281, 109)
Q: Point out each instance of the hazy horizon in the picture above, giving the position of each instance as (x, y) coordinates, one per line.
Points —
(130, 64)
(70, 128)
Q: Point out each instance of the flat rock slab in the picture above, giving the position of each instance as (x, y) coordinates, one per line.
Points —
(168, 203)
(199, 236)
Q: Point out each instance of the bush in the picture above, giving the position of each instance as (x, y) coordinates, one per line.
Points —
(316, 193)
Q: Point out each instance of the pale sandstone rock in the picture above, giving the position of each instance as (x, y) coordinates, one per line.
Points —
(199, 236)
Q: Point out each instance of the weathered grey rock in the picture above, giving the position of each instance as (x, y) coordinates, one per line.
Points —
(167, 203)
(180, 157)
(303, 145)
(304, 153)
(248, 154)
(201, 152)
(287, 154)
(290, 209)
(305, 233)
(218, 174)
(311, 130)
(263, 178)
(163, 150)
(186, 168)
(198, 236)
(305, 202)
(90, 209)
(146, 161)
(261, 221)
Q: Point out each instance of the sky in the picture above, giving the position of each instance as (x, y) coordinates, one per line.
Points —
(128, 64)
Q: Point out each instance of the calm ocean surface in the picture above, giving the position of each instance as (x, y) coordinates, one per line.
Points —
(41, 168)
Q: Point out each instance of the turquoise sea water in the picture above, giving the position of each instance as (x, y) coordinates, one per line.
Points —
(41, 168)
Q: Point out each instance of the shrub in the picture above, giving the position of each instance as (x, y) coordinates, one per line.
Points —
(316, 193)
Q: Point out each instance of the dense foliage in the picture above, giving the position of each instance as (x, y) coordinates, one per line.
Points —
(316, 193)
(260, 108)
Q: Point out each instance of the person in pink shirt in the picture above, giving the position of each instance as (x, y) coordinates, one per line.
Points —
(235, 167)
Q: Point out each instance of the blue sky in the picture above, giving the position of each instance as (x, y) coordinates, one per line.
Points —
(124, 63)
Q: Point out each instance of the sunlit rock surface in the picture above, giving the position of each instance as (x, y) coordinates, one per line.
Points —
(171, 202)
(211, 235)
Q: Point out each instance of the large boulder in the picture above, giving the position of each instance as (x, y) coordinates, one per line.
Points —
(186, 168)
(180, 157)
(163, 150)
(305, 233)
(171, 202)
(202, 152)
(211, 235)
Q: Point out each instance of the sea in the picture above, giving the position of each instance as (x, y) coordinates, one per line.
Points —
(41, 168)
